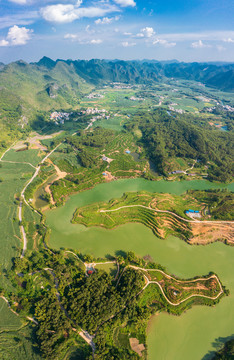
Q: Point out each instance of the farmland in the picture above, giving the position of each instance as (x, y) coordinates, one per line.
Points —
(88, 173)
(164, 214)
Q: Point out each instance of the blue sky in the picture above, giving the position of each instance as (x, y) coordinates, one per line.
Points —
(187, 30)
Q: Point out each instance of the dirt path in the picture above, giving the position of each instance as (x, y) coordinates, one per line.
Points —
(24, 200)
(18, 162)
(148, 282)
(185, 172)
(172, 213)
(60, 175)
(2, 156)
(29, 182)
(8, 304)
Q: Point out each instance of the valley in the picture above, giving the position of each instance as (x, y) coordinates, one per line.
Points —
(104, 181)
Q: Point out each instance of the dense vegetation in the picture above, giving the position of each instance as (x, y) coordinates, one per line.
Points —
(92, 149)
(165, 137)
(220, 203)
(145, 72)
(226, 353)
(55, 290)
(52, 287)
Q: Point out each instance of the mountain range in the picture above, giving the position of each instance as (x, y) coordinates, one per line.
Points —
(47, 84)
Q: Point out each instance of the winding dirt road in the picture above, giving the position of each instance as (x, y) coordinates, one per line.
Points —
(148, 282)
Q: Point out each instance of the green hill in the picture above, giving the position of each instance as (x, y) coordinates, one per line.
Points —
(27, 89)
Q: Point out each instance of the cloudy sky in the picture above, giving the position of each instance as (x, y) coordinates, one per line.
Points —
(187, 30)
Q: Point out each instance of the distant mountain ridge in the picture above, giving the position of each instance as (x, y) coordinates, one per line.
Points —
(97, 71)
(65, 80)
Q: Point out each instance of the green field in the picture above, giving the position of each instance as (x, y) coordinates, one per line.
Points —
(109, 268)
(170, 338)
(31, 156)
(17, 345)
(14, 176)
(8, 320)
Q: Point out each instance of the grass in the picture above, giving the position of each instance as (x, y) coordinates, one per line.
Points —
(109, 268)
(14, 177)
(31, 156)
(18, 345)
(8, 320)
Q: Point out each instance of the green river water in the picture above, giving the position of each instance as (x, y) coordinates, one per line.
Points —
(192, 335)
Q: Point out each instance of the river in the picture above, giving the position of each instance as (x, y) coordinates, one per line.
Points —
(191, 335)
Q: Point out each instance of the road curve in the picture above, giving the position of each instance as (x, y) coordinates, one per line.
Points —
(148, 282)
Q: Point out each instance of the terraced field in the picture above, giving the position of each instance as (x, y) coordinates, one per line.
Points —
(164, 214)
(140, 207)
(107, 162)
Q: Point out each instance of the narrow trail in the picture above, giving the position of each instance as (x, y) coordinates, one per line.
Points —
(28, 183)
(84, 334)
(2, 156)
(185, 171)
(60, 175)
(18, 162)
(22, 230)
(172, 213)
(8, 304)
(148, 282)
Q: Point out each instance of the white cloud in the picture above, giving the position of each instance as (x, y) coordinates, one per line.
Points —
(70, 36)
(16, 36)
(106, 20)
(127, 34)
(4, 42)
(95, 41)
(82, 40)
(199, 45)
(229, 40)
(19, 36)
(164, 43)
(146, 32)
(61, 13)
(204, 36)
(127, 44)
(125, 3)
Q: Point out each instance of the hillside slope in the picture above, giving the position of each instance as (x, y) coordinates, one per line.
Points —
(98, 71)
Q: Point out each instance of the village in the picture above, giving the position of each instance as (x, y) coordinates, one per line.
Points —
(60, 117)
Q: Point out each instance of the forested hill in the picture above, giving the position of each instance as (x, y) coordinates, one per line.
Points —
(97, 72)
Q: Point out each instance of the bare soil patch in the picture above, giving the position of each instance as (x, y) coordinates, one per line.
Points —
(208, 233)
(60, 175)
(136, 346)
